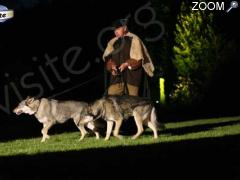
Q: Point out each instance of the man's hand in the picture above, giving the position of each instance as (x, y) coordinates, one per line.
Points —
(123, 66)
(114, 73)
(114, 67)
(134, 64)
(114, 70)
(110, 65)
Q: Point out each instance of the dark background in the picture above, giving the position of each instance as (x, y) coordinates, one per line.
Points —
(52, 27)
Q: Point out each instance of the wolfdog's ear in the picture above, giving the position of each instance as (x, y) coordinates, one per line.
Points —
(29, 100)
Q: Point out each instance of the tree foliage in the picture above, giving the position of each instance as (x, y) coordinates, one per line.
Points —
(194, 54)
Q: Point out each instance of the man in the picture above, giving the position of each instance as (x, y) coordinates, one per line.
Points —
(126, 57)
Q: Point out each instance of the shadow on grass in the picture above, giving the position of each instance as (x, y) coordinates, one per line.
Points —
(129, 128)
(27, 127)
(194, 159)
(197, 128)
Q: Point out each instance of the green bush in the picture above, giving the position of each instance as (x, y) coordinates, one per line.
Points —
(194, 54)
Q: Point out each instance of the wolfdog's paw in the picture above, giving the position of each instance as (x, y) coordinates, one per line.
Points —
(106, 139)
(135, 137)
(97, 136)
(81, 138)
(119, 136)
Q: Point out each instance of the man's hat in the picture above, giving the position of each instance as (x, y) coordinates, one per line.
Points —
(119, 23)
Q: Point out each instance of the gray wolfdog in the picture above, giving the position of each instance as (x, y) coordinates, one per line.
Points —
(114, 109)
(50, 111)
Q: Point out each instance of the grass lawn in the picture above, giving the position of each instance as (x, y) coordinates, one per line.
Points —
(218, 127)
(213, 142)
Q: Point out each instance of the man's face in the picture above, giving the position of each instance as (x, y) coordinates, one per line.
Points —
(119, 32)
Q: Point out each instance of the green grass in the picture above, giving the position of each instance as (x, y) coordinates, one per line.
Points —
(174, 132)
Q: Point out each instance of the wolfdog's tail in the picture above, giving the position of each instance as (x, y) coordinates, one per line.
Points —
(154, 120)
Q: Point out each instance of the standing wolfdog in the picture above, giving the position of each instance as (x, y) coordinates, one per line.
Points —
(116, 108)
(50, 111)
